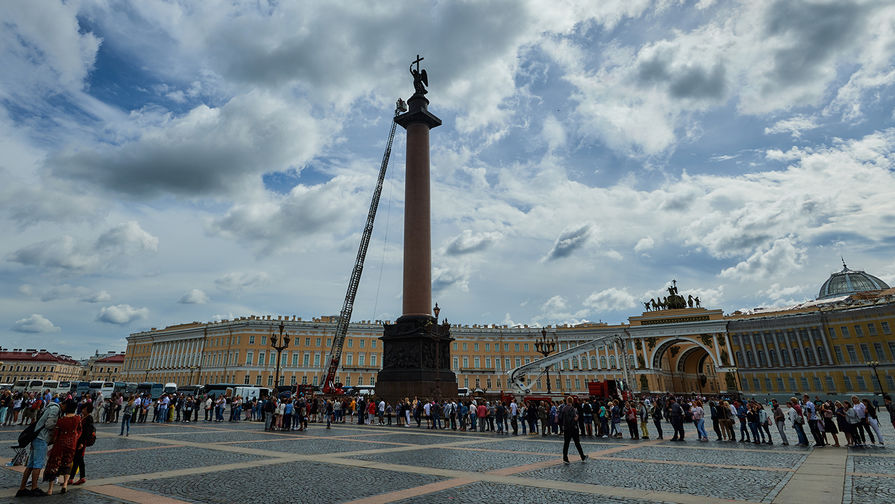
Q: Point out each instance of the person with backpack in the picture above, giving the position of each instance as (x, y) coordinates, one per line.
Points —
(795, 416)
(38, 436)
(568, 418)
(88, 437)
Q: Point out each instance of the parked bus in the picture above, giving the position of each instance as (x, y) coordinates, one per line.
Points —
(35, 386)
(106, 387)
(50, 385)
(155, 390)
(64, 387)
(20, 386)
(191, 390)
(6, 386)
(170, 388)
(82, 387)
(125, 388)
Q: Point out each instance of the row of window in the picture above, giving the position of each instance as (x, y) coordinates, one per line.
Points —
(859, 331)
(772, 361)
(27, 369)
(829, 386)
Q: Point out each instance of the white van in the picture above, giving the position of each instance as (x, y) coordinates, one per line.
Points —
(248, 392)
(170, 388)
(20, 386)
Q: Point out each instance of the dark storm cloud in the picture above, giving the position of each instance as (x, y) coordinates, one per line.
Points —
(817, 31)
(208, 151)
(691, 81)
(569, 241)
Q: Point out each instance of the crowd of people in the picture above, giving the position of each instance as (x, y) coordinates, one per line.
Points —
(66, 423)
(59, 430)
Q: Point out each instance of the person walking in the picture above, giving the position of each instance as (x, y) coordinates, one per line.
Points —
(569, 420)
(127, 414)
(873, 421)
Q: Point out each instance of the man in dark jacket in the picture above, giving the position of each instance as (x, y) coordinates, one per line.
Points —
(676, 416)
(568, 417)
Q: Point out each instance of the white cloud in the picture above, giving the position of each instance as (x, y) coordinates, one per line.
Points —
(66, 253)
(81, 293)
(35, 323)
(121, 314)
(194, 296)
(644, 244)
(569, 241)
(611, 299)
(795, 126)
(780, 259)
(236, 281)
(468, 242)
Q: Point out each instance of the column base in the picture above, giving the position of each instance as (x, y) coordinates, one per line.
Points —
(416, 357)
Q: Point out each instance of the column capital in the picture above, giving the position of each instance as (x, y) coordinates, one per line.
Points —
(418, 113)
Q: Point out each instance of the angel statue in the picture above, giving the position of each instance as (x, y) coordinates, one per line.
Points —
(420, 79)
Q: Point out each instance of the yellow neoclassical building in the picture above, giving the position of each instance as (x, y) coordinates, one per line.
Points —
(834, 345)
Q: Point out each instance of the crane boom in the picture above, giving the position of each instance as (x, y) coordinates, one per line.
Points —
(348, 306)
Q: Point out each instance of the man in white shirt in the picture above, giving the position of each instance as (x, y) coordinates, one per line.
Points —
(514, 410)
(381, 409)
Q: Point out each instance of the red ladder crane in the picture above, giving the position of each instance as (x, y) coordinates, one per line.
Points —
(348, 306)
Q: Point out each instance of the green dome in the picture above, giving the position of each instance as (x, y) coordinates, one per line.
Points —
(849, 281)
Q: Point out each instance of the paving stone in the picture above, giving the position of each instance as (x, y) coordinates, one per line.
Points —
(728, 457)
(315, 446)
(478, 492)
(288, 482)
(416, 438)
(877, 465)
(102, 465)
(9, 478)
(866, 490)
(713, 482)
(462, 460)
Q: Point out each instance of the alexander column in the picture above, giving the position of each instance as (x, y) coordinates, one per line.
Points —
(416, 352)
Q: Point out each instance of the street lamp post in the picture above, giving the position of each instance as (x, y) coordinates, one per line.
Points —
(546, 346)
(873, 365)
(284, 337)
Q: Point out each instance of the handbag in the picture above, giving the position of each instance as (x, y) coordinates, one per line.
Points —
(28, 435)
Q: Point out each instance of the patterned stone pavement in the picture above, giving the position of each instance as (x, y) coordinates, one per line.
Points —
(239, 462)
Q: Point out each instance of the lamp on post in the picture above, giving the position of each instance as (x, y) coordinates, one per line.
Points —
(284, 337)
(873, 365)
(546, 346)
(436, 311)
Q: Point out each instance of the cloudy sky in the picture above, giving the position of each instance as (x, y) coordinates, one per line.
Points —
(164, 162)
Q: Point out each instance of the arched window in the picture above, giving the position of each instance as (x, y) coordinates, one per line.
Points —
(612, 361)
(822, 355)
(603, 361)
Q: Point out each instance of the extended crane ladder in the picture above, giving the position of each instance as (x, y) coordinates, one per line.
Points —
(519, 374)
(348, 306)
